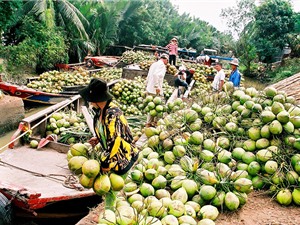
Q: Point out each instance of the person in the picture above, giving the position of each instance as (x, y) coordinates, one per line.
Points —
(207, 60)
(181, 79)
(154, 81)
(219, 78)
(173, 51)
(156, 55)
(189, 75)
(235, 76)
(118, 152)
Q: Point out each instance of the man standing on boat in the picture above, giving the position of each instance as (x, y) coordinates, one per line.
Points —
(219, 78)
(235, 76)
(155, 81)
(111, 128)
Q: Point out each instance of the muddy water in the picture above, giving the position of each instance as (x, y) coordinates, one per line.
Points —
(5, 139)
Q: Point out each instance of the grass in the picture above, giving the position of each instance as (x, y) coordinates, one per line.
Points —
(252, 82)
(288, 68)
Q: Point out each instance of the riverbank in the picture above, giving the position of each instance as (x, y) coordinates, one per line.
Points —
(28, 111)
(265, 209)
(11, 113)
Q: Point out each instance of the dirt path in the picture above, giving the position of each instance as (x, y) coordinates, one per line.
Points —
(259, 210)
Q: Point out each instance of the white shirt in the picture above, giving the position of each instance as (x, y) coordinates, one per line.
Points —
(155, 77)
(218, 78)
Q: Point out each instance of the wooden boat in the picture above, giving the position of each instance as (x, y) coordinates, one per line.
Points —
(32, 95)
(131, 71)
(36, 179)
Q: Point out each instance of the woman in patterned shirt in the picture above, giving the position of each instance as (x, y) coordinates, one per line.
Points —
(111, 128)
(173, 51)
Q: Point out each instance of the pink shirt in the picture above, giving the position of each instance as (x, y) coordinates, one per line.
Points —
(173, 49)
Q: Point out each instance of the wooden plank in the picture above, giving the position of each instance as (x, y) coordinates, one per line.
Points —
(186, 94)
(141, 142)
(290, 85)
(51, 109)
(88, 119)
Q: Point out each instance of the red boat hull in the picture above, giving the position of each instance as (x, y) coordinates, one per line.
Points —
(31, 95)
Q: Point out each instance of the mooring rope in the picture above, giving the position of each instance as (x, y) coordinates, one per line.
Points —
(70, 180)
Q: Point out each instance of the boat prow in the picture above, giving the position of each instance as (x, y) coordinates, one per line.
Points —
(32, 95)
(34, 179)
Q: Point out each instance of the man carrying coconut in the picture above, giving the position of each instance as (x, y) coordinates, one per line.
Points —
(219, 78)
(235, 76)
(112, 130)
(155, 80)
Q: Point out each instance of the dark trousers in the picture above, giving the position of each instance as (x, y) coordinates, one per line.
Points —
(179, 83)
(172, 59)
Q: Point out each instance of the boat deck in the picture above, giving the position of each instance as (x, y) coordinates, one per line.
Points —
(37, 177)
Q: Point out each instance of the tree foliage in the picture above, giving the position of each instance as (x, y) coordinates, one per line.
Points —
(8, 11)
(38, 48)
(274, 20)
(240, 20)
(71, 29)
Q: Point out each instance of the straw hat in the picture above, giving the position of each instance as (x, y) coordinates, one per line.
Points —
(164, 56)
(234, 62)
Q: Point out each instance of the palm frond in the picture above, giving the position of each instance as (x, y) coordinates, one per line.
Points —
(36, 8)
(70, 13)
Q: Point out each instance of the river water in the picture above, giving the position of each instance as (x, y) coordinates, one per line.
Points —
(5, 139)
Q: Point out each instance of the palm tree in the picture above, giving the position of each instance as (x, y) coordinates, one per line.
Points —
(62, 13)
(57, 13)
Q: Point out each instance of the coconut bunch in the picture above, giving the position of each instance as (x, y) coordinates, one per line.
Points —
(217, 151)
(129, 95)
(200, 68)
(69, 126)
(130, 57)
(171, 69)
(162, 187)
(84, 161)
(263, 130)
(54, 81)
(108, 74)
(155, 106)
(145, 65)
(131, 98)
(200, 90)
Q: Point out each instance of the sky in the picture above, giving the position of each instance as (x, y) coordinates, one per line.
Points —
(210, 10)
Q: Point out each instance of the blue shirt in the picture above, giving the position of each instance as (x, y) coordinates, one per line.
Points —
(235, 78)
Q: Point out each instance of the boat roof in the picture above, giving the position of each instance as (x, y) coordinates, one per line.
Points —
(210, 50)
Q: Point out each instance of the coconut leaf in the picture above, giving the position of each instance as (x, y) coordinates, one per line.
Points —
(110, 199)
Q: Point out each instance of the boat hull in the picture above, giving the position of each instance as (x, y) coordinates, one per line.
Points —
(34, 179)
(31, 95)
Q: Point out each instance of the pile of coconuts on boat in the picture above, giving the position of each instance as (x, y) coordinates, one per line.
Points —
(203, 158)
